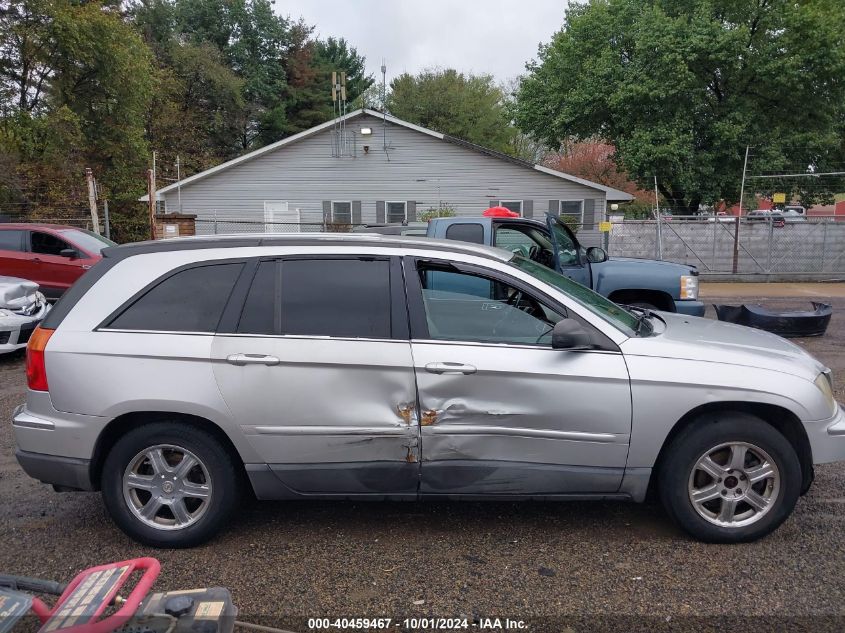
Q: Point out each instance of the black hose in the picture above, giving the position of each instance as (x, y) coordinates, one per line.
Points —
(32, 585)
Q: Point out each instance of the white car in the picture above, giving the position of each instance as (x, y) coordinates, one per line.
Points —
(22, 307)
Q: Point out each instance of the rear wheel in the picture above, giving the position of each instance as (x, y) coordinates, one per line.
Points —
(169, 484)
(730, 479)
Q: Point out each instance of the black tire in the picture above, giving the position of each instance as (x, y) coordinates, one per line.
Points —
(712, 431)
(225, 478)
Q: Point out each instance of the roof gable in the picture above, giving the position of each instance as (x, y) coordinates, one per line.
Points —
(610, 193)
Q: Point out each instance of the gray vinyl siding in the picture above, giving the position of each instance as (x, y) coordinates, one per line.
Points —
(416, 168)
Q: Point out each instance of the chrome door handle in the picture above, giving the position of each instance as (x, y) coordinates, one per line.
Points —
(450, 368)
(252, 359)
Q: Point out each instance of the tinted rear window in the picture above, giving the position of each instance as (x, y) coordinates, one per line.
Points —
(191, 300)
(11, 240)
(336, 297)
(466, 233)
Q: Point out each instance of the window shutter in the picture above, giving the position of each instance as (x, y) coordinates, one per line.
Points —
(493, 203)
(356, 212)
(527, 208)
(554, 208)
(327, 210)
(380, 217)
(589, 213)
(412, 211)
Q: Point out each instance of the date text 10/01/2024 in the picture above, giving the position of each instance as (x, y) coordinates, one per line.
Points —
(417, 624)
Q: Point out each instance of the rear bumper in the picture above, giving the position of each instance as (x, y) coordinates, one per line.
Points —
(66, 472)
(690, 308)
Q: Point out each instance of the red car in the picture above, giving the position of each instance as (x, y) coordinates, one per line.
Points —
(52, 255)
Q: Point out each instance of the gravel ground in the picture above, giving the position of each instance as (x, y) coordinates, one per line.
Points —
(559, 567)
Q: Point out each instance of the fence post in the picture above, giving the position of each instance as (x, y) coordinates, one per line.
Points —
(771, 238)
(215, 221)
(736, 243)
(824, 242)
(715, 237)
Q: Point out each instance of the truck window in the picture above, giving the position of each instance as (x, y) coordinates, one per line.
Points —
(527, 241)
(466, 233)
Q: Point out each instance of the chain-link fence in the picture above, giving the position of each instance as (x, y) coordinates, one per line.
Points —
(226, 226)
(813, 245)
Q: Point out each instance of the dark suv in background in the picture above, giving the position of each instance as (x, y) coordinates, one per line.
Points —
(52, 255)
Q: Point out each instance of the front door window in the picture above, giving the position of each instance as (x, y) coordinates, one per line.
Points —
(467, 307)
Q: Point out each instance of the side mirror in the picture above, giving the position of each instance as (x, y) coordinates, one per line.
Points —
(70, 253)
(568, 334)
(596, 255)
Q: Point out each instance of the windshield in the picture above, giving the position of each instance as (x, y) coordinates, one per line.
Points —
(606, 309)
(88, 240)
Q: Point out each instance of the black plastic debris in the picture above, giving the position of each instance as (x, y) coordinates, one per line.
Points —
(793, 323)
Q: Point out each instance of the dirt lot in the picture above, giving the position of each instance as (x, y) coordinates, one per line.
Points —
(574, 566)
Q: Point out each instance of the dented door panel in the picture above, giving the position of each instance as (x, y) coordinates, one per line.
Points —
(529, 421)
(332, 416)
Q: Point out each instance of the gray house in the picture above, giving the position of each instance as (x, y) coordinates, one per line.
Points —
(367, 167)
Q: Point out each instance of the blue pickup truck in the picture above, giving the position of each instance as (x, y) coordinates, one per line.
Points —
(646, 283)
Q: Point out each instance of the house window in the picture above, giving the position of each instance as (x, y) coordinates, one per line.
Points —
(512, 205)
(573, 209)
(397, 212)
(342, 212)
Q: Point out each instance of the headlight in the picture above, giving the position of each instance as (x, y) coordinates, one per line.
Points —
(825, 384)
(689, 287)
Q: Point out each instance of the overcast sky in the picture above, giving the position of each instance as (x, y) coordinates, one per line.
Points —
(481, 36)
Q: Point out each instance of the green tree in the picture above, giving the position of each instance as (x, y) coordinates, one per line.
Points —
(680, 87)
(77, 82)
(335, 54)
(469, 107)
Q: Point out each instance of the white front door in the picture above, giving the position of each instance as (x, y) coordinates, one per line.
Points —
(279, 218)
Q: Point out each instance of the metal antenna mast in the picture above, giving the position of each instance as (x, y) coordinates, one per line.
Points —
(383, 106)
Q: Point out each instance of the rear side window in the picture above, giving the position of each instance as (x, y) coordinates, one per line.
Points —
(11, 240)
(466, 233)
(259, 314)
(191, 300)
(347, 298)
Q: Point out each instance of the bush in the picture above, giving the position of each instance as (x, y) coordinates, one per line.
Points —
(442, 211)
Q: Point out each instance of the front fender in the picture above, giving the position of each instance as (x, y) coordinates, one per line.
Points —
(638, 274)
(664, 390)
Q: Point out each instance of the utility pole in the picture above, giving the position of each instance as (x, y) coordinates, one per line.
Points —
(739, 217)
(106, 214)
(92, 199)
(151, 194)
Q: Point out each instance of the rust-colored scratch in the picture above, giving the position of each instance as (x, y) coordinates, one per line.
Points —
(429, 417)
(405, 411)
(411, 457)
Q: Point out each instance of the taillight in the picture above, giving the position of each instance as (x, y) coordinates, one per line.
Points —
(36, 371)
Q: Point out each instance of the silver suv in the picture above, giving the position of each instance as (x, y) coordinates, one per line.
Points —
(179, 376)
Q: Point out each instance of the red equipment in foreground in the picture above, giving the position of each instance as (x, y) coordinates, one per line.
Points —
(91, 604)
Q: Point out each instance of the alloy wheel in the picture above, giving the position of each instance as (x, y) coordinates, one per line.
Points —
(167, 487)
(734, 484)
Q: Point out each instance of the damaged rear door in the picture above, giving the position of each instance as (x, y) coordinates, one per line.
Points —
(316, 369)
(501, 412)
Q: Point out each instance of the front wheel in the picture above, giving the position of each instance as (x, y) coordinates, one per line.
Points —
(169, 484)
(730, 478)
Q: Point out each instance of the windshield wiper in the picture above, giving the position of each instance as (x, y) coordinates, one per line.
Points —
(642, 318)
